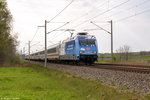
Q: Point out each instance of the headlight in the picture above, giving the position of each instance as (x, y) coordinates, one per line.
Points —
(81, 51)
(94, 52)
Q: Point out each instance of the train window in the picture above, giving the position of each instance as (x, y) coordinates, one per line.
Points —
(53, 50)
(87, 41)
(42, 52)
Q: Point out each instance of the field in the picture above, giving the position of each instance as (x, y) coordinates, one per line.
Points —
(37, 83)
(132, 58)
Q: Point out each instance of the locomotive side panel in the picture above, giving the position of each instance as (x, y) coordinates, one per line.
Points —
(68, 50)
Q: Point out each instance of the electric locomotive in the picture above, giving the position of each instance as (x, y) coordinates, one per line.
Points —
(80, 48)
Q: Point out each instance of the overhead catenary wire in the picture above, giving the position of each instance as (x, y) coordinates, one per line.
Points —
(60, 33)
(62, 10)
(102, 13)
(58, 28)
(133, 15)
(98, 15)
(60, 13)
(54, 18)
(129, 9)
(128, 17)
(35, 44)
(35, 33)
(105, 2)
(135, 6)
(88, 12)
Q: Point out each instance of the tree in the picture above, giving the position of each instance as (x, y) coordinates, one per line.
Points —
(123, 52)
(7, 41)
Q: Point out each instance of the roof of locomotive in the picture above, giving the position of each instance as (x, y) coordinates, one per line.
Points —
(83, 34)
(80, 35)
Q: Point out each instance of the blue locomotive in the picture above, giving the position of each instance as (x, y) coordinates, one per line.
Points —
(80, 48)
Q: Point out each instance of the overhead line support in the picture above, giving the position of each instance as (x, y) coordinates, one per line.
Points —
(45, 43)
(45, 26)
(110, 32)
(29, 50)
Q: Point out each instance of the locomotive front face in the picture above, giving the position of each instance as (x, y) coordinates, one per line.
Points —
(81, 48)
(88, 49)
(88, 46)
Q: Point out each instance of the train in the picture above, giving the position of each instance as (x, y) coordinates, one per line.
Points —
(82, 48)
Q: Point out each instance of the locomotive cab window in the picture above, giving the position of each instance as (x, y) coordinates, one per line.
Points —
(87, 41)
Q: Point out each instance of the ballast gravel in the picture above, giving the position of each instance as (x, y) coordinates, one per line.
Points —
(127, 81)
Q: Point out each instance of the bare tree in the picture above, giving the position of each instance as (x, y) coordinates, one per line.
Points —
(123, 53)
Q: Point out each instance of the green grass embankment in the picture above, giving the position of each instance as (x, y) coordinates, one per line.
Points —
(38, 83)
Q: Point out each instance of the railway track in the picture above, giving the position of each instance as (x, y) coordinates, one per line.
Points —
(118, 67)
(124, 67)
(121, 67)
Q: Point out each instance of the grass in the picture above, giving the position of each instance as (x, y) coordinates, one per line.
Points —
(106, 58)
(38, 83)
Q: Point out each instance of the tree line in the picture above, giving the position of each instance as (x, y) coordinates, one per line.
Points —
(8, 43)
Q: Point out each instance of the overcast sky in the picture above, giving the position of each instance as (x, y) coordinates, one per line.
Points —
(132, 31)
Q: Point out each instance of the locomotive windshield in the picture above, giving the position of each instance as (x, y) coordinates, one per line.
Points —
(87, 41)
